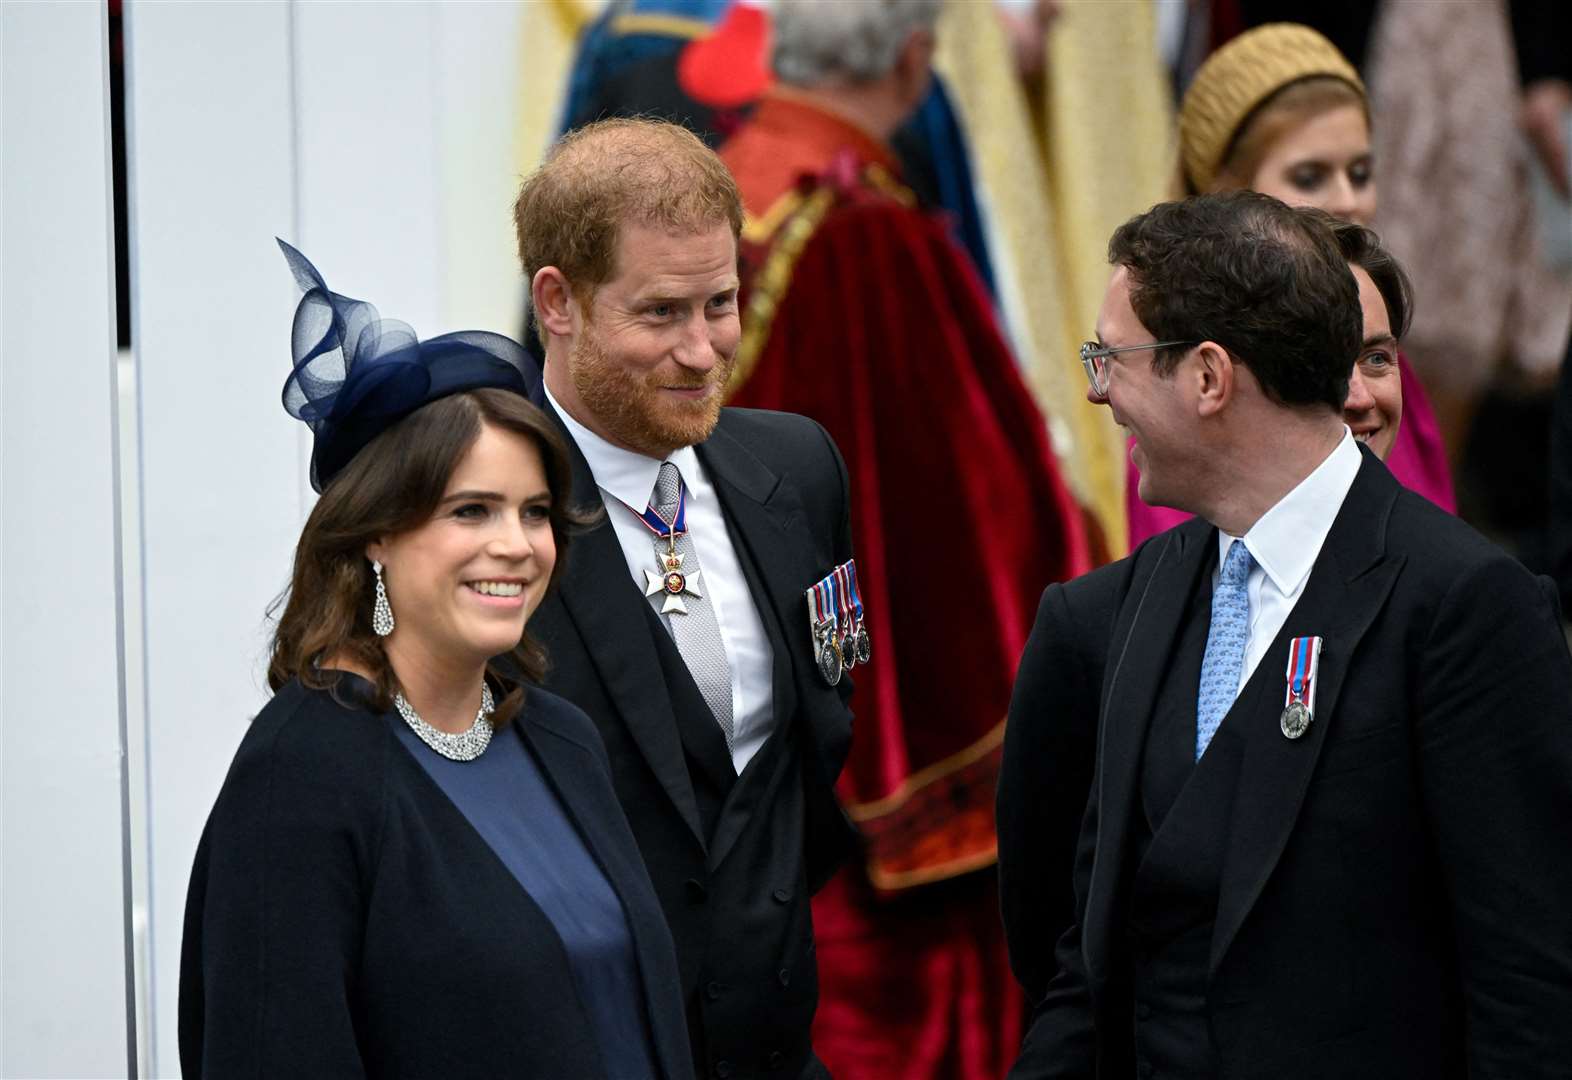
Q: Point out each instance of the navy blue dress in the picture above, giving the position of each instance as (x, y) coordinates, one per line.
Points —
(504, 795)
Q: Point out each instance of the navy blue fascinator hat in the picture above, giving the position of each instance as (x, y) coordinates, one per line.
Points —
(356, 373)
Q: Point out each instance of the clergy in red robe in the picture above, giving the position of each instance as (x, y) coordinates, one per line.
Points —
(861, 311)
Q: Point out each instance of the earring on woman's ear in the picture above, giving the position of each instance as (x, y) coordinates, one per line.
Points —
(381, 611)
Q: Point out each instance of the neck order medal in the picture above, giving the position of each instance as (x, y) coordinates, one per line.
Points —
(672, 580)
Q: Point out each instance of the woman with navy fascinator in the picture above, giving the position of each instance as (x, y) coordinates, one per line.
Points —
(417, 866)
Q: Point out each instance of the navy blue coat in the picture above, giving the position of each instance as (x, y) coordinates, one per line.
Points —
(344, 919)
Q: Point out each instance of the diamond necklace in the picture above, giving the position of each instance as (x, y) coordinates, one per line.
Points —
(463, 746)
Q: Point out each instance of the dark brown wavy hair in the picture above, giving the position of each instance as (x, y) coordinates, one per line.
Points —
(1265, 281)
(394, 484)
(1363, 248)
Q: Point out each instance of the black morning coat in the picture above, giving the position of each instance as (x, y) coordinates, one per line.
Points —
(734, 860)
(346, 920)
(1391, 893)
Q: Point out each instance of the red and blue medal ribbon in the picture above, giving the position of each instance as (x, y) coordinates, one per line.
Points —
(835, 618)
(846, 629)
(821, 603)
(1304, 657)
(843, 601)
(851, 622)
(850, 570)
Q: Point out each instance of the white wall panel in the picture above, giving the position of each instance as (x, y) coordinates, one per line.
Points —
(211, 143)
(63, 938)
(369, 211)
(479, 52)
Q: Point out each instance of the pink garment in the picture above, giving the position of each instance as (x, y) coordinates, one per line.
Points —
(1418, 458)
(1418, 461)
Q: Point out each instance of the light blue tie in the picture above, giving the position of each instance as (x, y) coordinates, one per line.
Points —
(1225, 645)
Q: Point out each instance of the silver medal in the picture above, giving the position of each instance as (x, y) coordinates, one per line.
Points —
(1295, 720)
(829, 659)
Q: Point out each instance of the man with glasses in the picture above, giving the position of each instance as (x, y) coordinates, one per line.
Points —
(1333, 753)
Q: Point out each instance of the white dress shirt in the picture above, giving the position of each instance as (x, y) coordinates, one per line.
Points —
(626, 481)
(1285, 543)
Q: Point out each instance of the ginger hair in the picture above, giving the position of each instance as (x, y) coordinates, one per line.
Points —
(600, 177)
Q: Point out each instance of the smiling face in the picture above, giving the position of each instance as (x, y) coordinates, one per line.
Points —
(1374, 407)
(652, 353)
(463, 584)
(1322, 161)
(1150, 407)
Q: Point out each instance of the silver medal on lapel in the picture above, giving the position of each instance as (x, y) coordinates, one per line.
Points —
(825, 633)
(1295, 720)
(830, 664)
(1304, 661)
(857, 636)
(835, 619)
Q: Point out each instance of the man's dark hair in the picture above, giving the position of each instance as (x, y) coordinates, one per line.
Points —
(1263, 280)
(1362, 247)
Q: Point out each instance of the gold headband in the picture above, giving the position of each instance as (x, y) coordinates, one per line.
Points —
(1238, 77)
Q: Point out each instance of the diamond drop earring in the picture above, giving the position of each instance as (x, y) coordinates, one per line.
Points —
(381, 611)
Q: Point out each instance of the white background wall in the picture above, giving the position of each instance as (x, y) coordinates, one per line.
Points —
(380, 139)
(211, 136)
(63, 939)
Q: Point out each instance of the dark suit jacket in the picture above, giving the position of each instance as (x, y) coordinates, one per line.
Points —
(734, 860)
(1050, 745)
(345, 919)
(1395, 884)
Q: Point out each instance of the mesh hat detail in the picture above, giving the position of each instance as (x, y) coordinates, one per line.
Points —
(356, 374)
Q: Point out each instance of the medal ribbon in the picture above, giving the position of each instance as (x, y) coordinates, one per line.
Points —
(838, 596)
(657, 525)
(1303, 653)
(819, 600)
(843, 598)
(850, 570)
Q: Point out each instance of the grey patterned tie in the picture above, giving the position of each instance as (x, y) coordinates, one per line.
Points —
(697, 633)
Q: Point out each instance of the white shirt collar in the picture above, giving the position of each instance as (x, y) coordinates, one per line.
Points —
(625, 475)
(1286, 540)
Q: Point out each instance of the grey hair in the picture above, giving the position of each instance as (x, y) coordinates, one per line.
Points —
(857, 40)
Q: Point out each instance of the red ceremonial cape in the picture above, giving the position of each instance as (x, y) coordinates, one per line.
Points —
(861, 312)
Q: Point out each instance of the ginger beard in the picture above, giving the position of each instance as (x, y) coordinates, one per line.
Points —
(634, 406)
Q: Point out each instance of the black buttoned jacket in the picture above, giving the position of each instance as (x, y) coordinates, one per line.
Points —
(1393, 890)
(734, 860)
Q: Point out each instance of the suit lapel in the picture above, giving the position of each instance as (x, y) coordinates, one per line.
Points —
(1142, 645)
(1348, 586)
(612, 619)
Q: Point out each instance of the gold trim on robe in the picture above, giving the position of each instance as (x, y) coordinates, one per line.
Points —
(934, 826)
